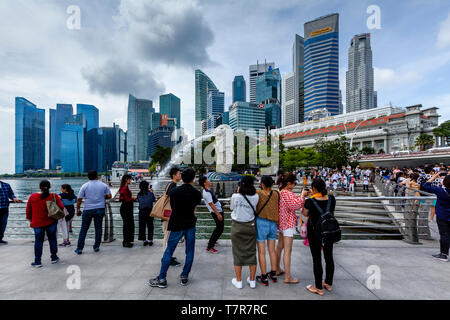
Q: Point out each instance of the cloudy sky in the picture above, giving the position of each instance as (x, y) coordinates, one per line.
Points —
(151, 47)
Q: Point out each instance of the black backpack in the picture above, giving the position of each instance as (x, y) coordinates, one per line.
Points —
(327, 226)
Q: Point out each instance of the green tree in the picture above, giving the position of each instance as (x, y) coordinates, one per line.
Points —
(161, 155)
(443, 131)
(368, 150)
(424, 141)
(334, 153)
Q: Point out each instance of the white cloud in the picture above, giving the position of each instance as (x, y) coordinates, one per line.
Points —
(444, 34)
(443, 103)
(387, 78)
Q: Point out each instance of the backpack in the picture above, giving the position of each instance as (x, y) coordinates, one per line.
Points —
(327, 226)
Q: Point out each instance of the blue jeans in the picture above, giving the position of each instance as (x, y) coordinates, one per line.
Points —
(39, 235)
(172, 243)
(4, 212)
(266, 230)
(86, 219)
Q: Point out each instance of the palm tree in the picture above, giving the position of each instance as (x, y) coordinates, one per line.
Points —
(424, 141)
(443, 131)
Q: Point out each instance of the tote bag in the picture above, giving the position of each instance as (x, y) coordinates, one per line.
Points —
(54, 212)
(162, 209)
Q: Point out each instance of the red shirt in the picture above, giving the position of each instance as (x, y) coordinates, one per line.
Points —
(289, 204)
(37, 210)
(125, 194)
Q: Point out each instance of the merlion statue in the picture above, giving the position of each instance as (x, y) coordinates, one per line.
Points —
(224, 145)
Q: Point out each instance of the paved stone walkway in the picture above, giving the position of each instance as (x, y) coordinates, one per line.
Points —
(407, 272)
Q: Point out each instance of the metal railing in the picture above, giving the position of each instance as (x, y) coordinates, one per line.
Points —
(390, 217)
(409, 208)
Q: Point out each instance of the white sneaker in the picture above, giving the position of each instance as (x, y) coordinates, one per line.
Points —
(251, 283)
(237, 284)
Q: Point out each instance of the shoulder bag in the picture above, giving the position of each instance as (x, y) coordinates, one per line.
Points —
(54, 212)
(162, 209)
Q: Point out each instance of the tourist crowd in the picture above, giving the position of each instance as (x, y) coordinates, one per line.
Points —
(264, 219)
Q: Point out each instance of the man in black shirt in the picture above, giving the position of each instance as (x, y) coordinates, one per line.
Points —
(175, 174)
(183, 200)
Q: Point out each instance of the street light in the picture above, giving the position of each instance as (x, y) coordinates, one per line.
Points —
(353, 133)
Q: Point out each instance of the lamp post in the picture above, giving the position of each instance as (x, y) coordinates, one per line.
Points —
(353, 133)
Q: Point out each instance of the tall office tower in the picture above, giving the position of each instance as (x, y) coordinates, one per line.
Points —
(202, 85)
(341, 105)
(298, 61)
(73, 138)
(161, 136)
(321, 71)
(246, 116)
(360, 93)
(92, 139)
(30, 136)
(139, 125)
(170, 104)
(215, 107)
(58, 118)
(268, 96)
(289, 112)
(112, 146)
(256, 71)
(239, 89)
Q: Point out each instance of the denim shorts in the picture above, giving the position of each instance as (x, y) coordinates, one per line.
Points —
(266, 230)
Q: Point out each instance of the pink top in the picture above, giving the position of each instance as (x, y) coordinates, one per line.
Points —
(289, 204)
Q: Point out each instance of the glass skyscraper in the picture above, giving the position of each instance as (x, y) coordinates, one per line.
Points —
(202, 85)
(112, 146)
(72, 146)
(30, 136)
(255, 71)
(321, 69)
(298, 61)
(268, 87)
(239, 89)
(58, 118)
(161, 136)
(139, 125)
(170, 104)
(92, 141)
(246, 116)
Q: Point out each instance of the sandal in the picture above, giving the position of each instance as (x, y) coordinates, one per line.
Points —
(279, 273)
(312, 289)
(326, 286)
(292, 281)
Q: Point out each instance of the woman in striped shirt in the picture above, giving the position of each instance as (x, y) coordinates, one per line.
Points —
(289, 204)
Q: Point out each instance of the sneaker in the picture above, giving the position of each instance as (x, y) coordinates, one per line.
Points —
(273, 276)
(96, 249)
(145, 243)
(78, 251)
(237, 284)
(212, 250)
(36, 265)
(174, 262)
(263, 279)
(441, 256)
(3, 242)
(184, 280)
(150, 243)
(251, 283)
(158, 283)
(55, 260)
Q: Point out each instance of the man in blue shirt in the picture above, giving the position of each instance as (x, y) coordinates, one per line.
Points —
(6, 194)
(94, 194)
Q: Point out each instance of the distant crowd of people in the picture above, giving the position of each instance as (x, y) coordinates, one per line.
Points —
(264, 219)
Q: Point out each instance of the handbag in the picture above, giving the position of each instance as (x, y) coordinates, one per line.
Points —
(162, 209)
(54, 211)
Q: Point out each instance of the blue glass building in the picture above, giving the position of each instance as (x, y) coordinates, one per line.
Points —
(72, 147)
(268, 87)
(321, 68)
(202, 85)
(239, 89)
(90, 113)
(139, 125)
(30, 136)
(246, 116)
(170, 104)
(215, 107)
(58, 118)
(161, 136)
(112, 146)
(273, 115)
(92, 141)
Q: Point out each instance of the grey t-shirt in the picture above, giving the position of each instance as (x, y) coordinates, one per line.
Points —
(242, 212)
(93, 193)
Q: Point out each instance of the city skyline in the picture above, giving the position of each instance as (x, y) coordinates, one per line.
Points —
(414, 70)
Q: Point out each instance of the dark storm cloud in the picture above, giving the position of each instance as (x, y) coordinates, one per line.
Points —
(118, 77)
(170, 31)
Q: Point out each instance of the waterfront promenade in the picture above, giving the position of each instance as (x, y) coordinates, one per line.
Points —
(407, 272)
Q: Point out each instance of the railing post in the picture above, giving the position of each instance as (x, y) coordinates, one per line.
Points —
(109, 224)
(423, 225)
(410, 214)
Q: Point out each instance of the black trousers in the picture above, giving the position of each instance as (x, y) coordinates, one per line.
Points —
(126, 212)
(145, 224)
(217, 231)
(365, 187)
(315, 245)
(444, 232)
